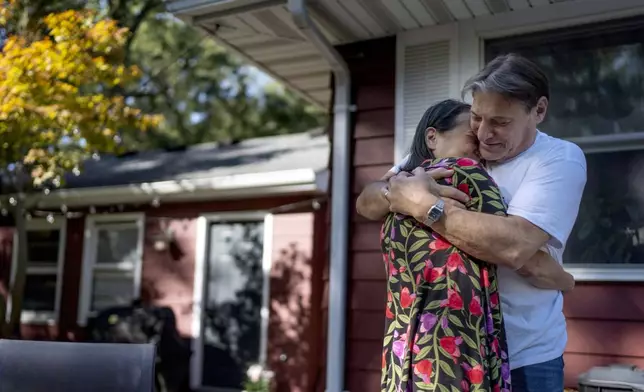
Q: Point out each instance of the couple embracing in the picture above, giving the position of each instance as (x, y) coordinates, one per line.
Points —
(476, 218)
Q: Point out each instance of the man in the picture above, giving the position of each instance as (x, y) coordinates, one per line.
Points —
(542, 179)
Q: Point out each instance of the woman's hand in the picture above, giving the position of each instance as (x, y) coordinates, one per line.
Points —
(544, 272)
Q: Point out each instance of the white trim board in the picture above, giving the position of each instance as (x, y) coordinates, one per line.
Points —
(89, 258)
(40, 317)
(205, 188)
(606, 272)
(201, 255)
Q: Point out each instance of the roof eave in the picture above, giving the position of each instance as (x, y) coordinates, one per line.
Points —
(284, 182)
(218, 7)
(194, 11)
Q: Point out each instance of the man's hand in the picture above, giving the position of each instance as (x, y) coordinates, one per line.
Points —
(415, 195)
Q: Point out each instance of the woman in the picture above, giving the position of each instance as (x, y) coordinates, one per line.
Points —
(444, 329)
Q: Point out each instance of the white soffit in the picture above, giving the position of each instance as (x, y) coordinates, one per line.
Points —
(263, 33)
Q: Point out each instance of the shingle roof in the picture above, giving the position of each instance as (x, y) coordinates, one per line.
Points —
(308, 150)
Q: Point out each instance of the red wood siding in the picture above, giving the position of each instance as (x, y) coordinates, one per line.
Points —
(605, 320)
(68, 327)
(372, 67)
(605, 324)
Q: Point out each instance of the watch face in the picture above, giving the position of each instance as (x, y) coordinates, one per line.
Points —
(436, 211)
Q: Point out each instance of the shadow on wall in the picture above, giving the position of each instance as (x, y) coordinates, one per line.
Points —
(168, 266)
(290, 322)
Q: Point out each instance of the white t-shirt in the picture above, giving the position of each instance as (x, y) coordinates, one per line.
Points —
(543, 185)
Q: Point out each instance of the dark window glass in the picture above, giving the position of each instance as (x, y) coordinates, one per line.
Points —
(43, 247)
(40, 293)
(233, 303)
(40, 288)
(596, 75)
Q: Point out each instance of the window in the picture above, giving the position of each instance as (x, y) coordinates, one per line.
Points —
(597, 101)
(111, 262)
(46, 253)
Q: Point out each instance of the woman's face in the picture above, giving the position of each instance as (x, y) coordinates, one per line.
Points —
(460, 141)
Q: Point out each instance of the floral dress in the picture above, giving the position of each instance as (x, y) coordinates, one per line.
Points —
(444, 328)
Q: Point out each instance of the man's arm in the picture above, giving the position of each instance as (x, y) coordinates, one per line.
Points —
(543, 210)
(510, 241)
(540, 269)
(544, 272)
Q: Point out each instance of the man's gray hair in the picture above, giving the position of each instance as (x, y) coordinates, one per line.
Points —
(512, 76)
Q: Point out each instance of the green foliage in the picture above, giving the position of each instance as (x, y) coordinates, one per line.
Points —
(204, 93)
(60, 74)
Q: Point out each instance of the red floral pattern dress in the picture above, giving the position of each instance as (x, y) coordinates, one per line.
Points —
(444, 328)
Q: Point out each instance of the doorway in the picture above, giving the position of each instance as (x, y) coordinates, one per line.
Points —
(231, 298)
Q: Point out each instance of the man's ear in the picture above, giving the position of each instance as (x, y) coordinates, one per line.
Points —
(430, 137)
(541, 109)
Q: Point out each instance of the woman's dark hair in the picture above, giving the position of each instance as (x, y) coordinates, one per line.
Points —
(442, 116)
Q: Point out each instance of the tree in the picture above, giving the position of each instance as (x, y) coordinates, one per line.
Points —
(205, 93)
(57, 75)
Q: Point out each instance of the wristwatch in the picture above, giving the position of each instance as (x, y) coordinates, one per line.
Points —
(434, 213)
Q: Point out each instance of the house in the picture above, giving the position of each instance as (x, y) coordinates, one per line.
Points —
(378, 64)
(230, 237)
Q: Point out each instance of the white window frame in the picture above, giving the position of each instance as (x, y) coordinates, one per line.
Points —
(447, 32)
(89, 257)
(608, 272)
(203, 225)
(42, 317)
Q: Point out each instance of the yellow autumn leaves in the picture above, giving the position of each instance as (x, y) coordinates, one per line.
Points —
(57, 100)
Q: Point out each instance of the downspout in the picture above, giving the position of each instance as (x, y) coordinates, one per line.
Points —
(341, 167)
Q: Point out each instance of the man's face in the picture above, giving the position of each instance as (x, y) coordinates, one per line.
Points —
(505, 128)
